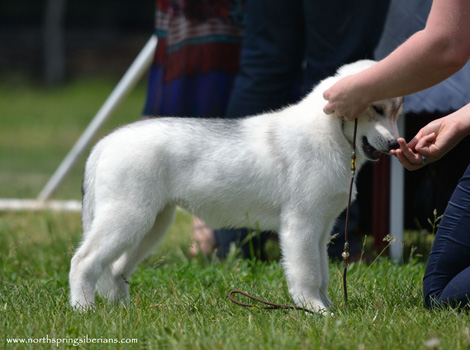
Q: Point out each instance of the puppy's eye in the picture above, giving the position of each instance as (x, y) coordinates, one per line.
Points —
(379, 110)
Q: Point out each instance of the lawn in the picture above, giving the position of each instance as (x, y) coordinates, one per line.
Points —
(177, 302)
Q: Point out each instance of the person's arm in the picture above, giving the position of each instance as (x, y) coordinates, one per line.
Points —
(425, 59)
(434, 140)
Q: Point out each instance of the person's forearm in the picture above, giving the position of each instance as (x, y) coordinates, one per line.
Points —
(425, 59)
(418, 64)
(462, 121)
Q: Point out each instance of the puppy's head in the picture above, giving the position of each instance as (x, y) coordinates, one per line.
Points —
(377, 130)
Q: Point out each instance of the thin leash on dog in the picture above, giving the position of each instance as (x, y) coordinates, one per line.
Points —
(345, 254)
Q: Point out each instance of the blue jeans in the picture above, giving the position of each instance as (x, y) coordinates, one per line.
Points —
(447, 277)
(289, 46)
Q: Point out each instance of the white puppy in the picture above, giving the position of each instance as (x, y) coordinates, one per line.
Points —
(286, 171)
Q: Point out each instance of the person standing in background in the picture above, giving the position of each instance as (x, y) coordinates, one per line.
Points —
(289, 47)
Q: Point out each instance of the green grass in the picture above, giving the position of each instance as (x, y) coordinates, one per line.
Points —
(176, 303)
(182, 304)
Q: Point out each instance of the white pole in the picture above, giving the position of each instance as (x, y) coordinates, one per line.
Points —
(397, 201)
(125, 85)
(35, 205)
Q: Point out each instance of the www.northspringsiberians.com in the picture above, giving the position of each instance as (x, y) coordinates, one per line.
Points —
(70, 341)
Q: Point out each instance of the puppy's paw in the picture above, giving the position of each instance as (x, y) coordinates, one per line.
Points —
(316, 305)
(79, 307)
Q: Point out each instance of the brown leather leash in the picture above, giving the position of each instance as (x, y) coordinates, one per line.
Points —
(271, 306)
(345, 254)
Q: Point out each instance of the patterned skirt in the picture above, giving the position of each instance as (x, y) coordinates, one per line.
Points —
(196, 59)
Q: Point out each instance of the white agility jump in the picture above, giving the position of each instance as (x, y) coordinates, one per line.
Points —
(122, 89)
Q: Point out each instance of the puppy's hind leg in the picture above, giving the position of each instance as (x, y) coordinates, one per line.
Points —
(115, 286)
(116, 228)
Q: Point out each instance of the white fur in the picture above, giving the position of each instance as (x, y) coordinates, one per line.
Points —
(286, 171)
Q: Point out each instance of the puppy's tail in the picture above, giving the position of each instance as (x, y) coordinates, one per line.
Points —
(105, 283)
(88, 189)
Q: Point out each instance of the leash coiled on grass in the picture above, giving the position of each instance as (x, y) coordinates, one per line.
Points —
(271, 306)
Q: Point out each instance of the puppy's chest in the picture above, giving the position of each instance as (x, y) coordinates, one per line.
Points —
(332, 191)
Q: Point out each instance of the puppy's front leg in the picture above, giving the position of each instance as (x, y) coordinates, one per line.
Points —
(325, 268)
(301, 244)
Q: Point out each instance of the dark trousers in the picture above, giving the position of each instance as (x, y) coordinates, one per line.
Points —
(447, 276)
(307, 40)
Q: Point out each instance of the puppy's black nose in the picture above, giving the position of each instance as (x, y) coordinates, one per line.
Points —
(393, 145)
